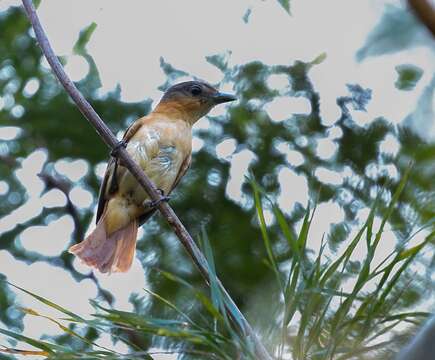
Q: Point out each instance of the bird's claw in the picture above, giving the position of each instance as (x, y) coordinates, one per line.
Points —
(154, 203)
(119, 145)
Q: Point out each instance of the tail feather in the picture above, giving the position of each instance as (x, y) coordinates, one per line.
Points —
(126, 247)
(90, 248)
(113, 253)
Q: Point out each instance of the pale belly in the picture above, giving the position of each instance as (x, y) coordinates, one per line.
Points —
(161, 162)
(162, 170)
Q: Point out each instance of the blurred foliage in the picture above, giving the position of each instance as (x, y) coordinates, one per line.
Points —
(285, 4)
(424, 110)
(409, 75)
(35, 103)
(333, 323)
(397, 30)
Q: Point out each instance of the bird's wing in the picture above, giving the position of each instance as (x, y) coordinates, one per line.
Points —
(102, 196)
(110, 184)
(183, 168)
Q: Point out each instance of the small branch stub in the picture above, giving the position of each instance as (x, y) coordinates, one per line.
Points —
(425, 11)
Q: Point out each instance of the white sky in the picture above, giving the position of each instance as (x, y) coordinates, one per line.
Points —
(130, 38)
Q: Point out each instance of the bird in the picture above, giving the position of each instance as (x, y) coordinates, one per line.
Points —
(161, 144)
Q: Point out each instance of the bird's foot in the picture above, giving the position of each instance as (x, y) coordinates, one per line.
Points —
(115, 151)
(151, 204)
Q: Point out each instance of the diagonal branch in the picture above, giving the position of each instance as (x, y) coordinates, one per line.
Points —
(169, 214)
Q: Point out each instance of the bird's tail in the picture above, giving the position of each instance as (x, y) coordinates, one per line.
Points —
(113, 253)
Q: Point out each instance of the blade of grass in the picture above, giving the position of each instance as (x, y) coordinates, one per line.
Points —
(172, 306)
(264, 232)
(64, 328)
(45, 346)
(48, 303)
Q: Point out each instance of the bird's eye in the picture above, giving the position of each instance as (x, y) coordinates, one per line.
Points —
(195, 90)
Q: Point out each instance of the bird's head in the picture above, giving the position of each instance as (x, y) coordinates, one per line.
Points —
(191, 100)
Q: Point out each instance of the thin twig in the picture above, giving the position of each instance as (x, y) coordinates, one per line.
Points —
(9, 161)
(108, 137)
(55, 182)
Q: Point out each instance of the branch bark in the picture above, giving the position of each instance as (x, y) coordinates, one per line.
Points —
(424, 10)
(108, 137)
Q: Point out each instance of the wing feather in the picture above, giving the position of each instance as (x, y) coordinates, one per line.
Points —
(183, 168)
(109, 186)
(102, 195)
(115, 171)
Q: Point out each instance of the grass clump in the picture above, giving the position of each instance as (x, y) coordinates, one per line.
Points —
(315, 317)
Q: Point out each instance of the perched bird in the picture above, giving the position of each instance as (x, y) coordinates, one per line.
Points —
(161, 143)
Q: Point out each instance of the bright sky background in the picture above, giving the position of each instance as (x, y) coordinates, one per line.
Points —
(130, 38)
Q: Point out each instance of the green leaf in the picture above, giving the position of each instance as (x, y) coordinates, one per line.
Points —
(219, 60)
(408, 76)
(84, 37)
(50, 348)
(319, 59)
(247, 15)
(50, 303)
(337, 234)
(264, 232)
(397, 29)
(62, 327)
(205, 301)
(171, 305)
(285, 4)
(282, 222)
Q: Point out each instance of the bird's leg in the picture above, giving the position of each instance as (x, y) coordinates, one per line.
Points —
(151, 204)
(115, 151)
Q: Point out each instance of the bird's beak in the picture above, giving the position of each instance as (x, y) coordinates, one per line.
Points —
(220, 98)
